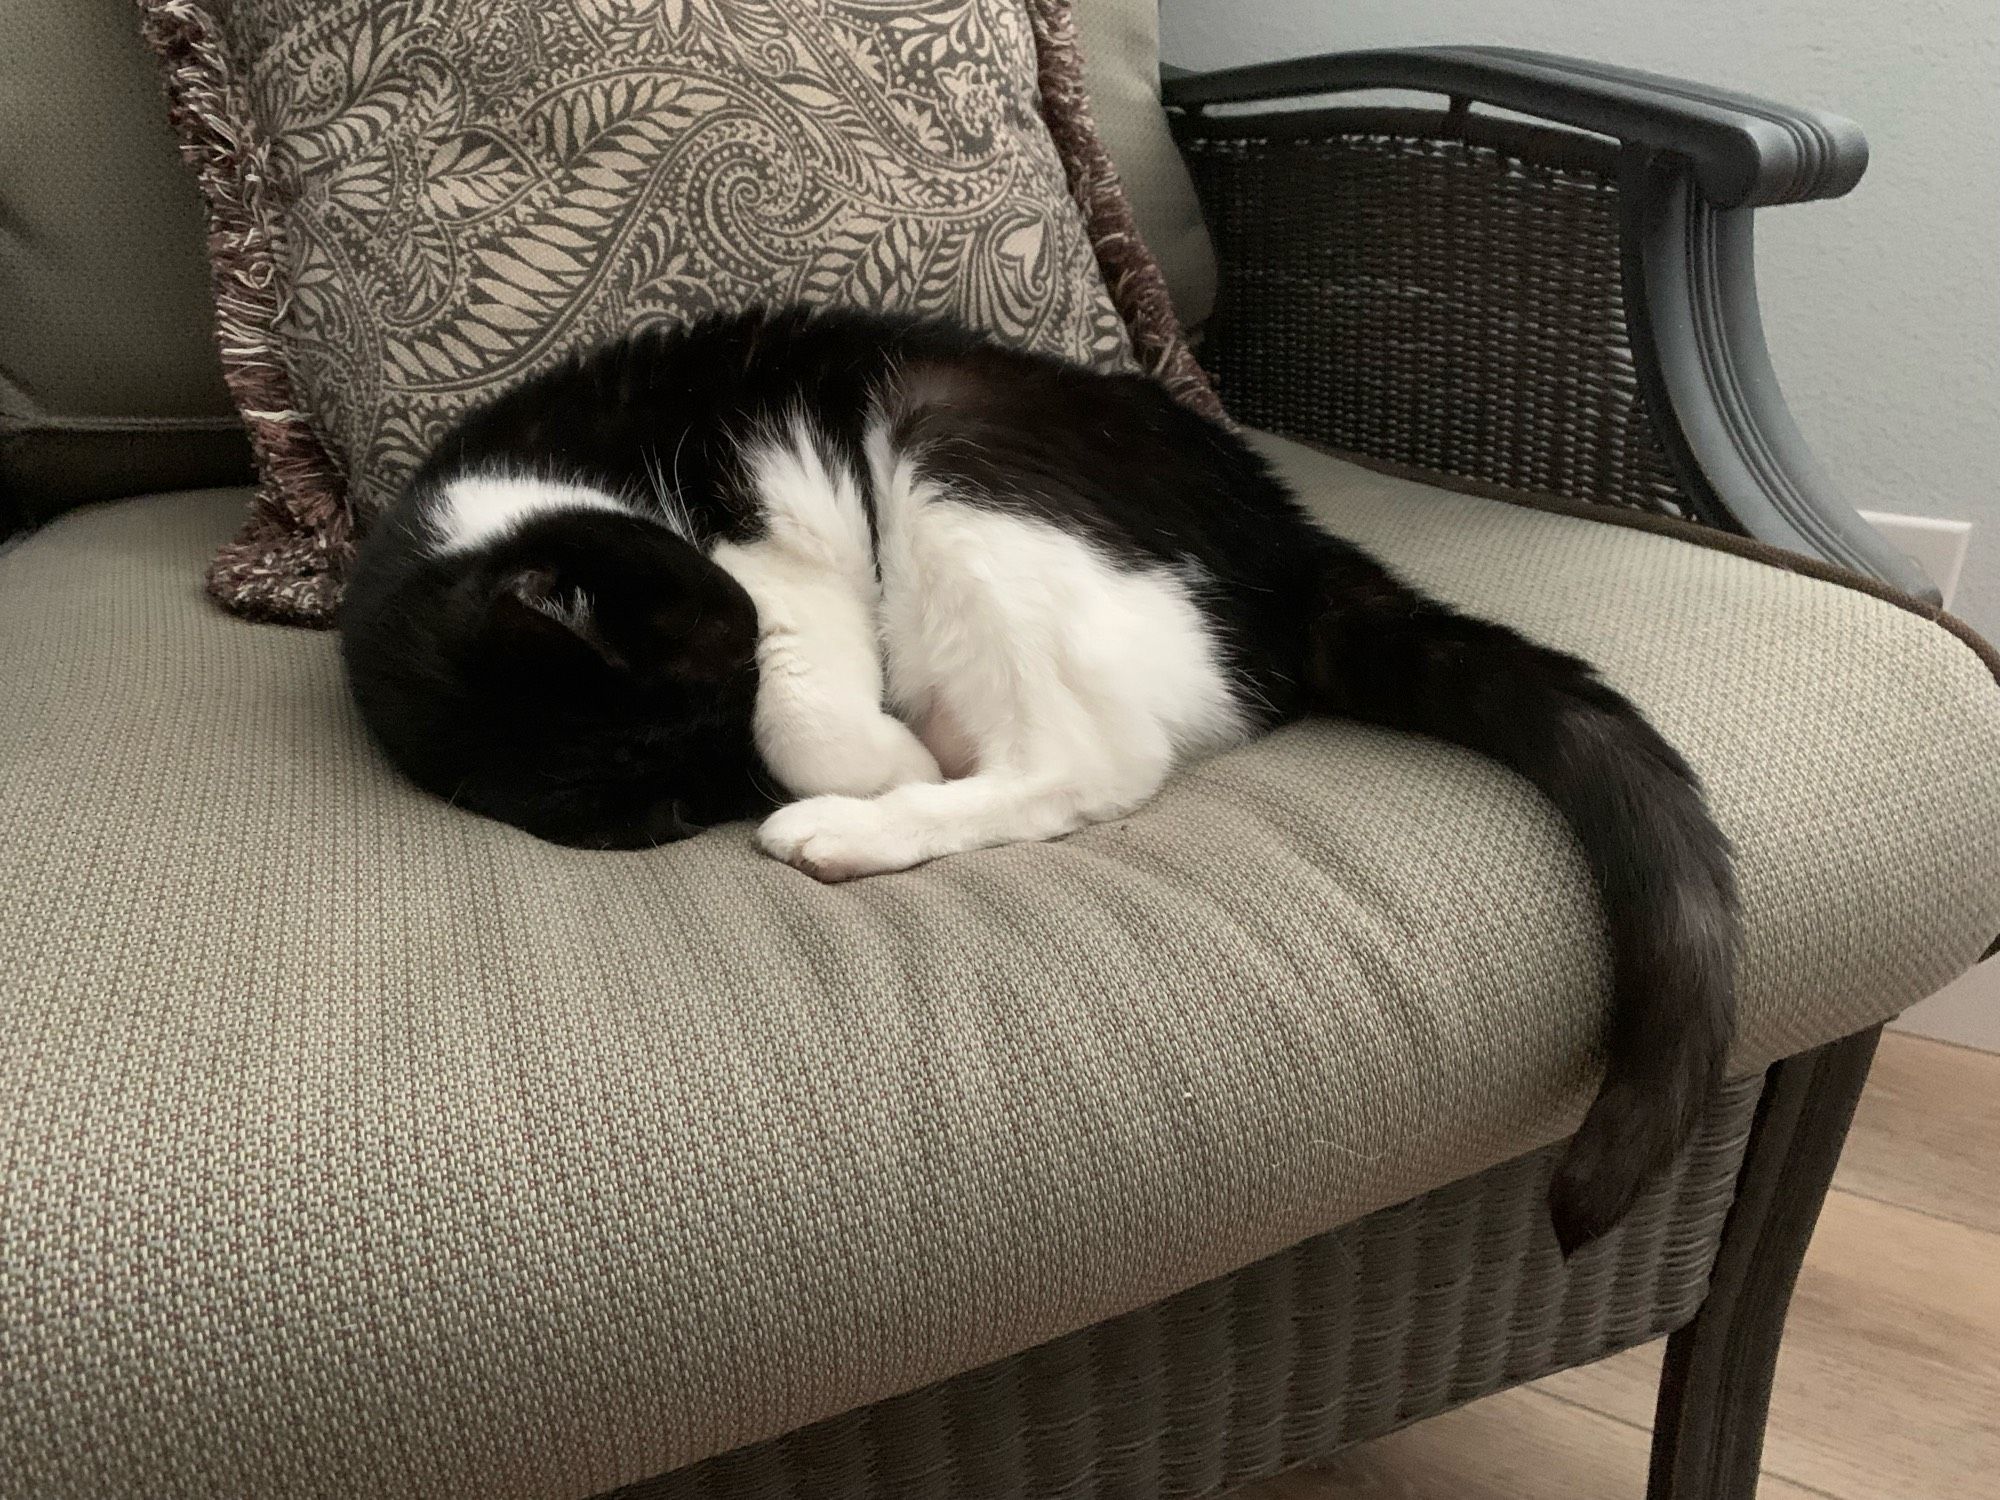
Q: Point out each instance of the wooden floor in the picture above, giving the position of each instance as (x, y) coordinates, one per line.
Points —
(1889, 1384)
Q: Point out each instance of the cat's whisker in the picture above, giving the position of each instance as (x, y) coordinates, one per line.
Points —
(680, 503)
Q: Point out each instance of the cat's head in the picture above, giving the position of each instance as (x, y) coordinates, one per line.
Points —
(588, 676)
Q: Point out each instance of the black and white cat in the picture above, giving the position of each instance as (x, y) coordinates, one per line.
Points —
(944, 595)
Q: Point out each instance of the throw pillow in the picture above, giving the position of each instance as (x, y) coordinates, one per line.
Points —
(415, 203)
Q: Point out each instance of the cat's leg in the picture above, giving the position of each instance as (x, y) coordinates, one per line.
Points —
(1076, 683)
(819, 721)
(841, 838)
(1059, 732)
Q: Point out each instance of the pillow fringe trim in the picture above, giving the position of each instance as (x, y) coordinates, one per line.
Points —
(288, 562)
(1138, 287)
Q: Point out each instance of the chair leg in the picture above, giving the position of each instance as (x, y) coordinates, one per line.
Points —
(1715, 1391)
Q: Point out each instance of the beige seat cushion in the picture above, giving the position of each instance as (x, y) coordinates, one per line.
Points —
(1121, 62)
(361, 1148)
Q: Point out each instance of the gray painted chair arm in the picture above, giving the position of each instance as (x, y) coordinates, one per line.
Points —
(1696, 162)
(1746, 152)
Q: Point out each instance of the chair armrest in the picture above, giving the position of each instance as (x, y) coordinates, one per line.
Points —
(1745, 152)
(1688, 166)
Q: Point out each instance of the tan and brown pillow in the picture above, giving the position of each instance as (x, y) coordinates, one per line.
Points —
(414, 205)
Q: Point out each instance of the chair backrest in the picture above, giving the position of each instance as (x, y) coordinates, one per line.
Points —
(109, 381)
(1121, 64)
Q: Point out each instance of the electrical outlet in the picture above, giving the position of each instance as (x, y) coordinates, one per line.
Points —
(1937, 546)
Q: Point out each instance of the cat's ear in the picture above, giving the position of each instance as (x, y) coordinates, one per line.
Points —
(532, 619)
(660, 616)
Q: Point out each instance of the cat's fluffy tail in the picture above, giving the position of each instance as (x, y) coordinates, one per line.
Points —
(1383, 653)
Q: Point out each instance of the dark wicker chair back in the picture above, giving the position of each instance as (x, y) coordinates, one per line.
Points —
(1431, 289)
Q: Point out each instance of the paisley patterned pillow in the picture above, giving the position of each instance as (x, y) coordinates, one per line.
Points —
(414, 204)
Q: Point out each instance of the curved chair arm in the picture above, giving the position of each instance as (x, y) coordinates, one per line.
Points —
(1695, 164)
(1746, 152)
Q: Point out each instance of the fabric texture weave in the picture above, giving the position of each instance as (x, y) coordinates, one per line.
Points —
(365, 1148)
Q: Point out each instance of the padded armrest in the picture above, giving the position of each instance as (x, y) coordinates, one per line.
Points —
(1745, 152)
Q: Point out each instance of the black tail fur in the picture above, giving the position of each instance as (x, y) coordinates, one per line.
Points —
(1385, 654)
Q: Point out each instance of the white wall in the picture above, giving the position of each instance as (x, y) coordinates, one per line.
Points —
(1883, 309)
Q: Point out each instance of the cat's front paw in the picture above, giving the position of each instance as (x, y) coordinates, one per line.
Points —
(838, 838)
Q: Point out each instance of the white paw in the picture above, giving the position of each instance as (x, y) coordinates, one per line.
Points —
(838, 838)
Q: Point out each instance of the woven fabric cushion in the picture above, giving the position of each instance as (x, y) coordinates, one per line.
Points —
(109, 383)
(415, 206)
(1121, 55)
(362, 1148)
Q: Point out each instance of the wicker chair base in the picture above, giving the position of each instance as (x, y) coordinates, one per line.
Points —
(1344, 1337)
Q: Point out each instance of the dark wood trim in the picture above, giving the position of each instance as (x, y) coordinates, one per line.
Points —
(1715, 1389)
(1744, 150)
(1533, 144)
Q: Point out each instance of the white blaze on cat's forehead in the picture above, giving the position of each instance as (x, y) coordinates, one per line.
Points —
(475, 509)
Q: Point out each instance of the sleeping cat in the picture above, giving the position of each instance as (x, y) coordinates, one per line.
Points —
(934, 595)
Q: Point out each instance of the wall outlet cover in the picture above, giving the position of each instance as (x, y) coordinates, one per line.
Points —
(1938, 546)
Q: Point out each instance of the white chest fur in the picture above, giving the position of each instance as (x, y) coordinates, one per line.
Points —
(1069, 683)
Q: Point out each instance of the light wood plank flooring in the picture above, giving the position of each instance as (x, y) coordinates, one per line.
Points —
(1889, 1384)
